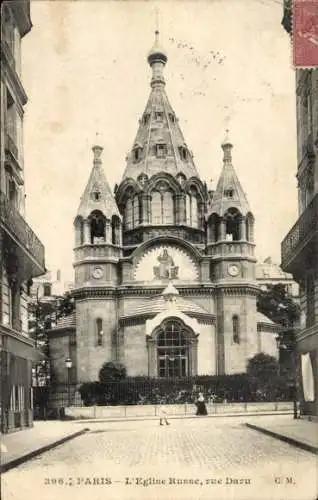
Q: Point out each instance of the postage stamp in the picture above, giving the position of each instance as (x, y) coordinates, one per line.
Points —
(305, 33)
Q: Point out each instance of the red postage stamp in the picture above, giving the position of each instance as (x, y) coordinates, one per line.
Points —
(305, 33)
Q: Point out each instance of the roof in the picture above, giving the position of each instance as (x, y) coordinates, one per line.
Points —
(97, 183)
(261, 318)
(228, 181)
(66, 321)
(155, 305)
(159, 129)
(268, 270)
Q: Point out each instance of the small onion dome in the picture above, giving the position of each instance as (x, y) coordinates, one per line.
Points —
(227, 142)
(157, 53)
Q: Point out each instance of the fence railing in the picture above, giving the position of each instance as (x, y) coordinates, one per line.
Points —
(186, 409)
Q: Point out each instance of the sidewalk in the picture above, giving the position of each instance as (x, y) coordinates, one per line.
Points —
(20, 446)
(300, 432)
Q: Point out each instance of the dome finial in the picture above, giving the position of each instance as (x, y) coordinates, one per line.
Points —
(157, 54)
(227, 147)
(97, 151)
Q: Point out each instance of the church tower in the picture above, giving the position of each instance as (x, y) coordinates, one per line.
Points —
(230, 245)
(160, 192)
(98, 248)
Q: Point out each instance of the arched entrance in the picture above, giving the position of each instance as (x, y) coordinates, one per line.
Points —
(172, 350)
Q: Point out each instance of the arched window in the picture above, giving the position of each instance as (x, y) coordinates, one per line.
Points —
(129, 214)
(162, 208)
(172, 351)
(233, 219)
(136, 211)
(192, 210)
(98, 227)
(236, 328)
(99, 331)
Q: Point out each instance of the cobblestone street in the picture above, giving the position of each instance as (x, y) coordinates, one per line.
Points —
(187, 460)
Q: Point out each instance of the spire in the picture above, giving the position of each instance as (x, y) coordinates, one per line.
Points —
(97, 194)
(229, 192)
(159, 144)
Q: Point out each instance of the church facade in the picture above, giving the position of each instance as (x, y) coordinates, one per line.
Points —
(164, 268)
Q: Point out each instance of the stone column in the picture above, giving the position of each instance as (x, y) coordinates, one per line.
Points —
(180, 209)
(108, 232)
(87, 232)
(243, 229)
(151, 346)
(193, 357)
(222, 234)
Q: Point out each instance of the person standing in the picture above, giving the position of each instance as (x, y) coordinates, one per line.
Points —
(162, 412)
(200, 404)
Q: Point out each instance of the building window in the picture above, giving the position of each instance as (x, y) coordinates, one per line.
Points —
(10, 119)
(183, 152)
(172, 117)
(98, 228)
(146, 118)
(162, 208)
(129, 214)
(137, 153)
(159, 116)
(99, 331)
(236, 328)
(228, 193)
(310, 300)
(192, 212)
(13, 192)
(172, 351)
(96, 195)
(47, 289)
(232, 218)
(136, 211)
(161, 150)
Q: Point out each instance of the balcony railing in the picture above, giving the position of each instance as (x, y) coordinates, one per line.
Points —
(306, 225)
(15, 223)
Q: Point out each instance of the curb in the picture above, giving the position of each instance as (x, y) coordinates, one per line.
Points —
(285, 439)
(174, 417)
(27, 456)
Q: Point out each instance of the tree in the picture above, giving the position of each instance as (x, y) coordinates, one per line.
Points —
(262, 367)
(112, 372)
(43, 313)
(265, 380)
(277, 305)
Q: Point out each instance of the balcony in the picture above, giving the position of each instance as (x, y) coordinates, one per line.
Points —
(6, 52)
(23, 241)
(301, 238)
(11, 150)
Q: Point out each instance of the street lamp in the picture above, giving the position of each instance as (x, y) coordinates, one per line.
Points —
(68, 364)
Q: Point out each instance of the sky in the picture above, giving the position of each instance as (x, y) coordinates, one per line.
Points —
(85, 72)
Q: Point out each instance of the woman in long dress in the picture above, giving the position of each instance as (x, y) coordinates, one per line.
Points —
(200, 404)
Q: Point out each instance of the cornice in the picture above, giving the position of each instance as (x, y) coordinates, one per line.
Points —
(268, 327)
(10, 332)
(208, 319)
